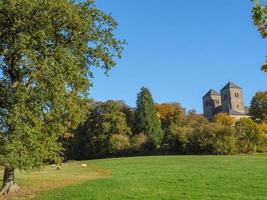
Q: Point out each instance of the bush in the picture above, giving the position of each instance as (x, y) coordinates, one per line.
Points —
(202, 139)
(138, 141)
(213, 138)
(263, 147)
(224, 119)
(177, 138)
(119, 142)
(226, 141)
(250, 135)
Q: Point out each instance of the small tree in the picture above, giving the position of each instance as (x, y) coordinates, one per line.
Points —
(146, 119)
(47, 49)
(258, 108)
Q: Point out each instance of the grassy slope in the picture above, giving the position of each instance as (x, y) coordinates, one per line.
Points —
(173, 177)
(50, 178)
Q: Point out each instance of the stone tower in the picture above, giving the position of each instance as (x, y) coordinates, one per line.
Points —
(232, 99)
(211, 103)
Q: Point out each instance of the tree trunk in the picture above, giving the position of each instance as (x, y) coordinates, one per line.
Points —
(9, 183)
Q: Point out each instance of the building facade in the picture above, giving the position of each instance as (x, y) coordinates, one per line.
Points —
(229, 100)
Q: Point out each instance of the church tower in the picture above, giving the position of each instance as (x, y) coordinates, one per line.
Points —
(232, 99)
(211, 103)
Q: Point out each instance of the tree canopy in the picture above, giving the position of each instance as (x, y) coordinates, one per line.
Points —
(170, 113)
(258, 108)
(224, 118)
(260, 20)
(104, 131)
(47, 50)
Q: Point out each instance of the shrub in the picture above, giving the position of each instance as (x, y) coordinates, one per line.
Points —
(138, 141)
(226, 141)
(177, 138)
(202, 139)
(119, 142)
(213, 138)
(193, 119)
(224, 119)
(250, 135)
(263, 147)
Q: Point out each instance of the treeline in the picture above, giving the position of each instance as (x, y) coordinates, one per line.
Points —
(114, 129)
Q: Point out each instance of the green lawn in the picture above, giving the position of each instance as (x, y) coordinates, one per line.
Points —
(50, 178)
(171, 178)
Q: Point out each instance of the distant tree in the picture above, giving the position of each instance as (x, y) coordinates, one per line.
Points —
(170, 113)
(224, 119)
(120, 142)
(203, 138)
(258, 108)
(212, 138)
(47, 50)
(194, 119)
(129, 113)
(260, 20)
(103, 132)
(177, 138)
(226, 142)
(146, 120)
(138, 141)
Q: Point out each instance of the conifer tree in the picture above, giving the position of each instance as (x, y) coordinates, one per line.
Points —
(146, 119)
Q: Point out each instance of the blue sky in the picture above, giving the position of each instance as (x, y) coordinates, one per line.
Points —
(180, 49)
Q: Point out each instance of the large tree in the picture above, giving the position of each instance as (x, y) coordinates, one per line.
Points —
(260, 20)
(146, 120)
(47, 49)
(258, 108)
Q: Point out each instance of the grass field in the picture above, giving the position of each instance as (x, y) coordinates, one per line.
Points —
(164, 177)
(50, 178)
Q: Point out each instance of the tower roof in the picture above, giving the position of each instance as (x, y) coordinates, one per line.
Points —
(212, 92)
(231, 85)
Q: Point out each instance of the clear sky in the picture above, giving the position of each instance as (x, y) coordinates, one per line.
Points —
(180, 49)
